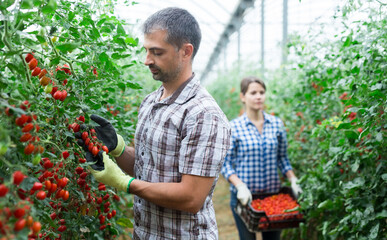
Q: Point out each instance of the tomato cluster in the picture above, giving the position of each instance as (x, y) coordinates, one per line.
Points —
(276, 208)
(27, 121)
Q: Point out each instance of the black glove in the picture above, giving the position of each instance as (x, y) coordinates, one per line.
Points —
(105, 132)
(97, 160)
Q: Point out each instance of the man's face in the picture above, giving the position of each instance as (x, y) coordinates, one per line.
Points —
(163, 59)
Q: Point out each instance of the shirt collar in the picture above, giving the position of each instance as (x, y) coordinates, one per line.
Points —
(185, 92)
(247, 121)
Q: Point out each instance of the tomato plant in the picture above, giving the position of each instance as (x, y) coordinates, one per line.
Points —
(60, 62)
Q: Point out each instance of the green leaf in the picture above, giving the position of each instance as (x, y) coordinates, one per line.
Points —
(351, 134)
(6, 4)
(71, 16)
(125, 222)
(134, 85)
(325, 204)
(335, 150)
(381, 215)
(357, 182)
(384, 177)
(50, 7)
(120, 30)
(27, 4)
(308, 96)
(345, 126)
(68, 47)
(121, 86)
(40, 38)
(374, 231)
(103, 57)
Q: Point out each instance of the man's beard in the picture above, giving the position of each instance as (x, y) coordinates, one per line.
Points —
(165, 76)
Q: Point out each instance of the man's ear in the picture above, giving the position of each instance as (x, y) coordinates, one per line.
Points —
(187, 49)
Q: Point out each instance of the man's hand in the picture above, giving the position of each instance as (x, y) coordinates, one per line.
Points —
(107, 134)
(295, 187)
(110, 174)
(243, 194)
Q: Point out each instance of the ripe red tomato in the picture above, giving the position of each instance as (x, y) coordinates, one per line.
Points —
(85, 135)
(53, 215)
(66, 195)
(33, 63)
(57, 95)
(63, 182)
(65, 154)
(95, 151)
(36, 227)
(19, 212)
(29, 57)
(37, 186)
(62, 228)
(25, 137)
(29, 149)
(36, 71)
(20, 224)
(18, 177)
(101, 219)
(114, 212)
(28, 127)
(3, 190)
(41, 195)
(81, 118)
(63, 96)
(20, 121)
(104, 148)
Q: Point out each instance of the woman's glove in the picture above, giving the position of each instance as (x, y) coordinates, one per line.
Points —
(107, 134)
(110, 174)
(295, 187)
(243, 193)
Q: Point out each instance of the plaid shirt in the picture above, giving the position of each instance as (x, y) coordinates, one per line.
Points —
(186, 133)
(254, 157)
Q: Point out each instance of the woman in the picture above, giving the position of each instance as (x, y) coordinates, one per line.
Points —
(258, 147)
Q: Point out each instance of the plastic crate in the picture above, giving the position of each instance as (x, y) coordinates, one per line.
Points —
(258, 221)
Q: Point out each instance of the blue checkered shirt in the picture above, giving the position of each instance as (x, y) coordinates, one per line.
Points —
(254, 157)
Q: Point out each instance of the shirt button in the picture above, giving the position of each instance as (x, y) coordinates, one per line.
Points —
(142, 153)
(139, 177)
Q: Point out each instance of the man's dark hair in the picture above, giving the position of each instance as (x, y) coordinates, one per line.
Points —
(181, 27)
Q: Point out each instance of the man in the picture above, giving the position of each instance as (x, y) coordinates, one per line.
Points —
(181, 139)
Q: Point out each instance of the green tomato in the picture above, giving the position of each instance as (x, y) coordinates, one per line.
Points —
(36, 159)
(48, 88)
(3, 149)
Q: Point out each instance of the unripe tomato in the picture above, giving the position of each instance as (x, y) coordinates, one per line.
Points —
(18, 177)
(36, 71)
(42, 73)
(20, 224)
(44, 81)
(36, 227)
(48, 88)
(29, 149)
(33, 63)
(29, 57)
(3, 190)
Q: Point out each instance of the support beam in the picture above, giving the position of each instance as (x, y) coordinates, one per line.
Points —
(234, 25)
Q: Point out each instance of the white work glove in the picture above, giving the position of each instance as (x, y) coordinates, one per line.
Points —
(243, 193)
(295, 187)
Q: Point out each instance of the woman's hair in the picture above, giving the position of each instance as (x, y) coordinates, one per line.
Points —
(246, 82)
(181, 27)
